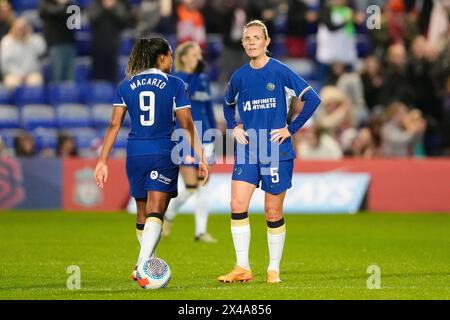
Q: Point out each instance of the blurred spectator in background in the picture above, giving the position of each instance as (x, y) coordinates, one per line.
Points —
(148, 17)
(232, 57)
(66, 146)
(402, 131)
(6, 17)
(396, 85)
(316, 144)
(24, 145)
(350, 83)
(3, 149)
(107, 19)
(298, 17)
(335, 112)
(402, 21)
(439, 23)
(60, 39)
(336, 35)
(372, 79)
(20, 51)
(422, 57)
(363, 145)
(190, 23)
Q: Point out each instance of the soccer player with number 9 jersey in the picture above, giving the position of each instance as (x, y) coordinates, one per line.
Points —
(153, 98)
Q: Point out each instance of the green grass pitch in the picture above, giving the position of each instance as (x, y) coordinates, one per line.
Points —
(325, 257)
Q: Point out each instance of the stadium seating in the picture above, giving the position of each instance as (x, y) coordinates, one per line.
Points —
(22, 5)
(126, 43)
(9, 117)
(97, 92)
(83, 41)
(30, 95)
(8, 135)
(64, 92)
(86, 141)
(71, 115)
(38, 116)
(83, 68)
(101, 115)
(5, 95)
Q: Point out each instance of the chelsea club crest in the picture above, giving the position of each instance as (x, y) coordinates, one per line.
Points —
(270, 86)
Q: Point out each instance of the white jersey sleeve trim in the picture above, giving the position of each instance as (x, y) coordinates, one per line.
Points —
(123, 104)
(304, 91)
(183, 107)
(234, 101)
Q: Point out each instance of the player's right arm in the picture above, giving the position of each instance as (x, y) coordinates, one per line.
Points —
(229, 110)
(118, 114)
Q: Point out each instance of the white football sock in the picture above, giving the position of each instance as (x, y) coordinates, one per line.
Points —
(275, 240)
(240, 231)
(150, 238)
(201, 210)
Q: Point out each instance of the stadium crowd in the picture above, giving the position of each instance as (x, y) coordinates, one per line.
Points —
(384, 80)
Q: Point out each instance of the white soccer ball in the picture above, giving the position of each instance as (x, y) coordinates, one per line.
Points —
(153, 274)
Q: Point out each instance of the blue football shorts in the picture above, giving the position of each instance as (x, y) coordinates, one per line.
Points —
(153, 172)
(274, 179)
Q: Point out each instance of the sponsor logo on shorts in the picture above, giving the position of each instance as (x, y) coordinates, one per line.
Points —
(238, 171)
(154, 175)
(164, 179)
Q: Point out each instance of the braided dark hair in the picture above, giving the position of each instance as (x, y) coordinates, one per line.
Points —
(145, 55)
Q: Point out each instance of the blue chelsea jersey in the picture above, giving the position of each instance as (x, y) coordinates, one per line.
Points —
(151, 98)
(263, 97)
(198, 87)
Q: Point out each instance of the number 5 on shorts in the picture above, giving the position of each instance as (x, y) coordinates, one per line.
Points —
(274, 174)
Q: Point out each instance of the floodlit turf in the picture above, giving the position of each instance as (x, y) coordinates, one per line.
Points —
(326, 257)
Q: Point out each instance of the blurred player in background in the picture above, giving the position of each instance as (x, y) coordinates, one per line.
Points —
(189, 65)
(151, 96)
(262, 90)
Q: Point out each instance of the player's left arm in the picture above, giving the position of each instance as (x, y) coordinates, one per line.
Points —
(303, 92)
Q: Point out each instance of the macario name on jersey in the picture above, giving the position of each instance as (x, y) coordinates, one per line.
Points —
(149, 82)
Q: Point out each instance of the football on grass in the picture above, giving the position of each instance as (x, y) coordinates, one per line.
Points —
(154, 273)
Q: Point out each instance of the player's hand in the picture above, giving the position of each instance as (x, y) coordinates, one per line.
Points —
(203, 171)
(279, 135)
(101, 174)
(240, 134)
